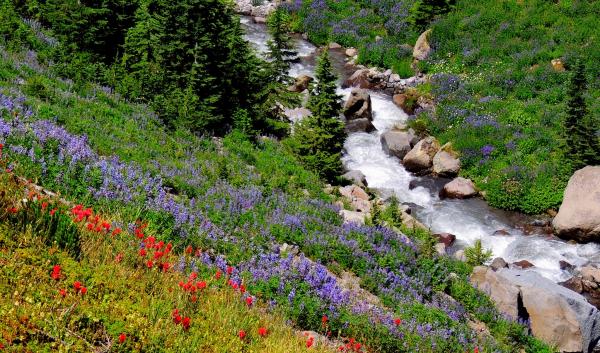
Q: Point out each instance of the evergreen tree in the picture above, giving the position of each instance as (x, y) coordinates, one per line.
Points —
(424, 11)
(318, 140)
(580, 131)
(281, 47)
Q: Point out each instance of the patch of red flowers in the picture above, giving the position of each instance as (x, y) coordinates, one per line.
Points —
(262, 331)
(55, 272)
(79, 288)
(310, 341)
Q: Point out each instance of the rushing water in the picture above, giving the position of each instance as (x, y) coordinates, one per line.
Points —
(467, 219)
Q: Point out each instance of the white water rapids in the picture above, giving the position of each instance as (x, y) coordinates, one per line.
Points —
(469, 220)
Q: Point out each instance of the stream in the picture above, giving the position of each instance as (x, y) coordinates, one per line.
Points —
(469, 219)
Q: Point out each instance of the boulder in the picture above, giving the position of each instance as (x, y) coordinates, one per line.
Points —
(301, 84)
(440, 249)
(359, 125)
(420, 158)
(352, 192)
(459, 188)
(411, 222)
(358, 105)
(565, 266)
(446, 163)
(422, 48)
(356, 177)
(590, 273)
(351, 52)
(261, 20)
(524, 264)
(498, 263)
(579, 215)
(460, 255)
(353, 216)
(334, 45)
(557, 315)
(364, 78)
(405, 102)
(398, 143)
(446, 238)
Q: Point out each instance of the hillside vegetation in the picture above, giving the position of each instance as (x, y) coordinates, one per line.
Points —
(499, 99)
(147, 204)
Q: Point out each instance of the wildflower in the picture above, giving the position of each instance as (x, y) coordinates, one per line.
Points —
(149, 264)
(83, 290)
(249, 301)
(12, 210)
(201, 285)
(165, 266)
(116, 231)
(53, 211)
(119, 257)
(122, 338)
(44, 205)
(90, 226)
(142, 252)
(324, 319)
(218, 274)
(77, 286)
(193, 276)
(476, 350)
(262, 331)
(158, 255)
(242, 288)
(193, 299)
(189, 250)
(106, 225)
(55, 272)
(186, 323)
(397, 321)
(62, 292)
(229, 270)
(310, 342)
(242, 334)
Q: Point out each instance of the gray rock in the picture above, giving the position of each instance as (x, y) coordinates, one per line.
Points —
(351, 52)
(356, 177)
(459, 188)
(557, 315)
(422, 48)
(446, 164)
(440, 248)
(353, 216)
(334, 45)
(359, 125)
(397, 143)
(579, 215)
(358, 105)
(420, 158)
(498, 263)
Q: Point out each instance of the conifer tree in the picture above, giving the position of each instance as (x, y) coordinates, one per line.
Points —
(318, 140)
(580, 131)
(281, 46)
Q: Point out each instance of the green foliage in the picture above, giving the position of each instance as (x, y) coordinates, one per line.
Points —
(477, 255)
(319, 138)
(281, 47)
(425, 11)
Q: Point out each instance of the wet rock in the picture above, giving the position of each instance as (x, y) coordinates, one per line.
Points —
(398, 143)
(420, 158)
(358, 105)
(501, 232)
(524, 264)
(574, 283)
(579, 215)
(446, 238)
(351, 52)
(422, 48)
(356, 177)
(498, 263)
(459, 188)
(359, 125)
(405, 102)
(411, 222)
(590, 273)
(260, 20)
(353, 216)
(301, 84)
(539, 223)
(557, 315)
(565, 266)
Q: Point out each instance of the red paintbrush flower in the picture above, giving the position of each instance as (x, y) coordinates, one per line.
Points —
(83, 290)
(55, 272)
(122, 338)
(62, 292)
(149, 264)
(249, 301)
(77, 286)
(218, 274)
(186, 323)
(53, 211)
(310, 342)
(142, 252)
(262, 331)
(229, 270)
(242, 334)
(397, 322)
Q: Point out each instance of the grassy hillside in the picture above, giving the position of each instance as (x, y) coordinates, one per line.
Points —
(247, 206)
(499, 100)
